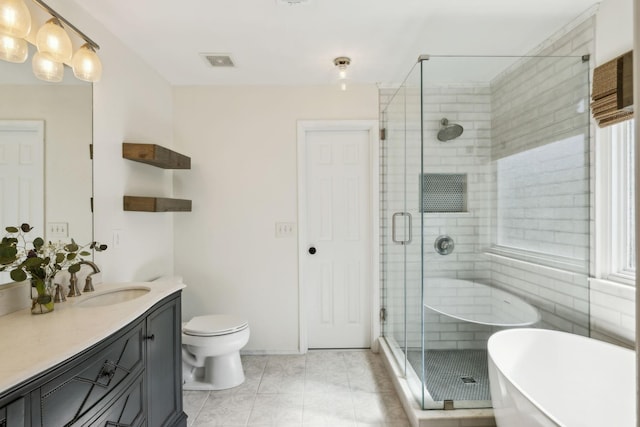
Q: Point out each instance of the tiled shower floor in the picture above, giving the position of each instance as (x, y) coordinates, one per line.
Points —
(321, 388)
(454, 374)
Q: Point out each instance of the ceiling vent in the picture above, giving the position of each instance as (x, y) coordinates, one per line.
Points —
(293, 2)
(218, 59)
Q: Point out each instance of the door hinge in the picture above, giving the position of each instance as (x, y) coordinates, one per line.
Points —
(383, 134)
(91, 204)
(383, 314)
(91, 151)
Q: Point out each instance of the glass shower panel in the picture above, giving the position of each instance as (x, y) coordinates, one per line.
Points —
(504, 199)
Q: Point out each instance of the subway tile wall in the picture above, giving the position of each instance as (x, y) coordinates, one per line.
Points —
(539, 101)
(470, 154)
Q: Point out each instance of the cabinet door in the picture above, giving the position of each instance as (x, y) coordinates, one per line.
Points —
(164, 365)
(126, 411)
(14, 415)
(83, 388)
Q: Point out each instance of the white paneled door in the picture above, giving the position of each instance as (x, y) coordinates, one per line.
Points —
(22, 173)
(336, 253)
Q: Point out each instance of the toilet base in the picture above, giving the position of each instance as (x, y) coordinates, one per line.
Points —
(219, 373)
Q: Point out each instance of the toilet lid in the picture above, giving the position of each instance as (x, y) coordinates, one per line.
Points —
(214, 324)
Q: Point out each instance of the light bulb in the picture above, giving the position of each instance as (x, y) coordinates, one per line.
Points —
(343, 85)
(46, 69)
(53, 41)
(86, 64)
(15, 19)
(342, 74)
(13, 49)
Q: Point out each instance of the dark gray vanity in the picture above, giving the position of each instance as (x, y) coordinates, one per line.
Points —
(131, 378)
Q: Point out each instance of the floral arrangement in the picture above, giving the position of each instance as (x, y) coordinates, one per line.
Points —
(40, 261)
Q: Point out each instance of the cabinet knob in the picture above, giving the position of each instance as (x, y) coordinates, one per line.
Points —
(149, 337)
(312, 250)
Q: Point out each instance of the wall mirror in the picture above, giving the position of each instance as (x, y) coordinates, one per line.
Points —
(45, 167)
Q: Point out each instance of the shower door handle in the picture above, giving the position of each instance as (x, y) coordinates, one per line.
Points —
(393, 228)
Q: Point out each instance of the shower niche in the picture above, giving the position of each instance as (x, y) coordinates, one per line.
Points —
(478, 178)
(443, 192)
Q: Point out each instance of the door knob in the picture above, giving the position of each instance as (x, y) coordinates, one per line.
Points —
(312, 250)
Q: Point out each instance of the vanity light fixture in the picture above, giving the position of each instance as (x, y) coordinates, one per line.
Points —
(85, 62)
(47, 69)
(53, 42)
(86, 65)
(15, 19)
(13, 49)
(342, 62)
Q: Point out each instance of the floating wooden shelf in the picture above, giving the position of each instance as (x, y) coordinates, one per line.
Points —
(155, 204)
(155, 155)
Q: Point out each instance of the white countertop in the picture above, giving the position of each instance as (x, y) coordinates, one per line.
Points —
(34, 343)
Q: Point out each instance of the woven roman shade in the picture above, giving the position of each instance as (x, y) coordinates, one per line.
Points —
(612, 91)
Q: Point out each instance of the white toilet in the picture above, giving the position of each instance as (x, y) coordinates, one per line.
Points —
(211, 352)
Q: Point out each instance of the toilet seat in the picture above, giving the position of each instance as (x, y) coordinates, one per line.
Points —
(214, 325)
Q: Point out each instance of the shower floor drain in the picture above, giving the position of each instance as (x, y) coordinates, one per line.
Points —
(468, 380)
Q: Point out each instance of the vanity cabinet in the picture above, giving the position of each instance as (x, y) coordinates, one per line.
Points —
(132, 378)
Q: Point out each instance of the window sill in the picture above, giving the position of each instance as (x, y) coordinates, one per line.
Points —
(623, 278)
(561, 263)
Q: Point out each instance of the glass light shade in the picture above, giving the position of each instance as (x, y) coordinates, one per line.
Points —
(13, 49)
(15, 19)
(86, 64)
(53, 41)
(46, 69)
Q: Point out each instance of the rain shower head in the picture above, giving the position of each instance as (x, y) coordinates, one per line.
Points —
(449, 131)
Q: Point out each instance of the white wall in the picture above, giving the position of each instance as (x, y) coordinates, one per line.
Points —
(612, 305)
(242, 143)
(131, 102)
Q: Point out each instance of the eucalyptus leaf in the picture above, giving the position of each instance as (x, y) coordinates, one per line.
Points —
(33, 262)
(38, 243)
(71, 256)
(74, 268)
(8, 251)
(11, 229)
(71, 247)
(59, 258)
(85, 253)
(18, 275)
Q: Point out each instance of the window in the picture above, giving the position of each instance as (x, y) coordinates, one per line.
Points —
(620, 265)
(542, 203)
(615, 204)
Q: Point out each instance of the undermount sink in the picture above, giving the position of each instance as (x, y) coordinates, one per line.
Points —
(115, 296)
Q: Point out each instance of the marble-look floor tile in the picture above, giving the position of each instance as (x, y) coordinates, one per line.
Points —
(319, 389)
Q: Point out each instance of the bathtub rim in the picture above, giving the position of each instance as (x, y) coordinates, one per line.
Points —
(534, 402)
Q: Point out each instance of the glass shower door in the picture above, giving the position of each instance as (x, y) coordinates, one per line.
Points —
(401, 225)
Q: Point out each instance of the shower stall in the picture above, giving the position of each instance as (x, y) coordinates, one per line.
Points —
(485, 213)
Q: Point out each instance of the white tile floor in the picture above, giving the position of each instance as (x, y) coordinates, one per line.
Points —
(321, 388)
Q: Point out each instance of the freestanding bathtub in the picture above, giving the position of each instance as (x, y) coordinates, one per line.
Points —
(548, 378)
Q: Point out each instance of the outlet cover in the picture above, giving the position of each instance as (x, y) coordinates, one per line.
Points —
(285, 229)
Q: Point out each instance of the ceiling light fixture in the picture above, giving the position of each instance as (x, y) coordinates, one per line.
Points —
(342, 62)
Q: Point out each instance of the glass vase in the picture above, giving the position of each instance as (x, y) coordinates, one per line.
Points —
(42, 296)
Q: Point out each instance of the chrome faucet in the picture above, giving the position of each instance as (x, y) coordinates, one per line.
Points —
(88, 284)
